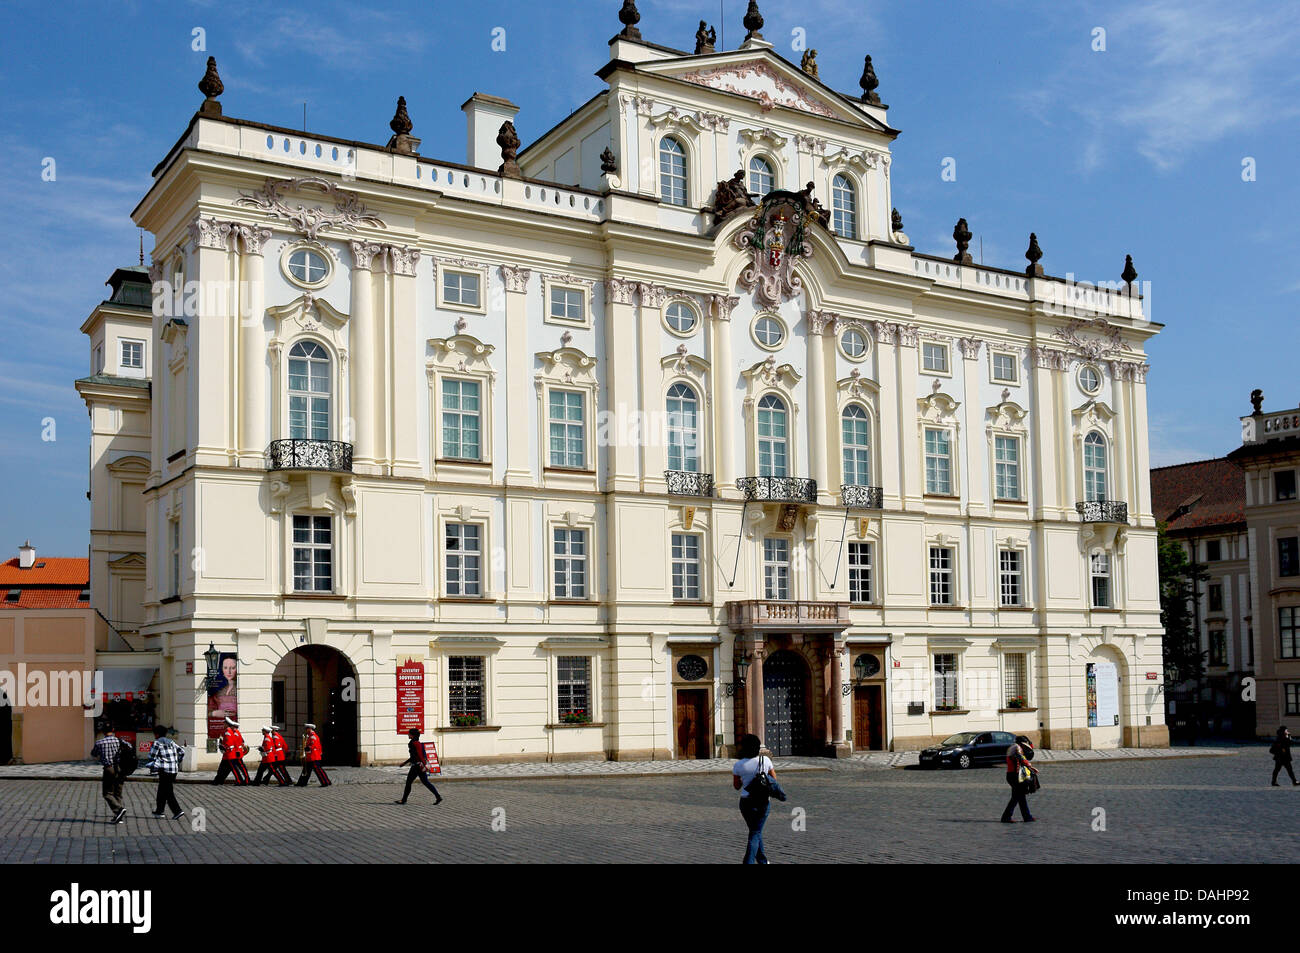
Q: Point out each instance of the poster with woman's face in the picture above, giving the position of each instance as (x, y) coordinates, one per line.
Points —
(223, 694)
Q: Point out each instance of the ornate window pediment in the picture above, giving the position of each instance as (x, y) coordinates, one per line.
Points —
(768, 373)
(685, 364)
(311, 315)
(764, 136)
(856, 387)
(860, 161)
(1007, 416)
(463, 354)
(938, 408)
(1092, 415)
(567, 365)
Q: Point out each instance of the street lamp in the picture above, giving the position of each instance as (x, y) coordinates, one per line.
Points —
(213, 659)
(742, 666)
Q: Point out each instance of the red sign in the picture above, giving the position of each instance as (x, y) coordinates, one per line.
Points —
(431, 757)
(410, 697)
(1153, 676)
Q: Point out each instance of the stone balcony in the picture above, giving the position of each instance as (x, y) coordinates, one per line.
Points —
(787, 616)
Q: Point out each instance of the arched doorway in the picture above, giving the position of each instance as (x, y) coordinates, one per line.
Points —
(785, 703)
(317, 684)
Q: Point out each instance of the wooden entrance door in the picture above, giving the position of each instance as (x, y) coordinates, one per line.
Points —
(868, 718)
(693, 723)
(785, 703)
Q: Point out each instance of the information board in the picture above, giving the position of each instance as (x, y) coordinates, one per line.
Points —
(410, 696)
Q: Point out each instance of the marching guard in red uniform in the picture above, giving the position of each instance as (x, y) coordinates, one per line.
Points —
(281, 753)
(266, 770)
(311, 757)
(233, 750)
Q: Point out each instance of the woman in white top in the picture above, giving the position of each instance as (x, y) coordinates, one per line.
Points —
(753, 807)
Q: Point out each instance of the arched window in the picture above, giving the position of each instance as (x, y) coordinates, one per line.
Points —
(761, 177)
(857, 446)
(672, 171)
(309, 392)
(683, 429)
(844, 207)
(773, 449)
(1094, 467)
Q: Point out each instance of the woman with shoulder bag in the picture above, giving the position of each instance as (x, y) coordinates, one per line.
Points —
(755, 778)
(1020, 776)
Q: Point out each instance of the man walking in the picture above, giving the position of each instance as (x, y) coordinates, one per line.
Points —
(266, 769)
(419, 763)
(165, 758)
(108, 750)
(311, 758)
(281, 753)
(1019, 772)
(233, 750)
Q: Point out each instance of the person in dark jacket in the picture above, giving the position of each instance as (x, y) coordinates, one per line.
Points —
(1019, 789)
(419, 763)
(1281, 752)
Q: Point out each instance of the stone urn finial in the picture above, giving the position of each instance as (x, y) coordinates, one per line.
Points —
(629, 16)
(1130, 273)
(753, 22)
(1257, 400)
(1034, 253)
(211, 87)
(869, 83)
(401, 122)
(508, 140)
(962, 236)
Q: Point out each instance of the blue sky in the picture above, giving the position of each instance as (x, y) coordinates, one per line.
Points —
(1136, 149)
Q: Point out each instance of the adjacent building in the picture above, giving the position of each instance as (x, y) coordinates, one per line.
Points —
(653, 433)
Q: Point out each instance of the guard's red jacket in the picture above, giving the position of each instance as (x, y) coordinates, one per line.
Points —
(232, 745)
(278, 748)
(312, 745)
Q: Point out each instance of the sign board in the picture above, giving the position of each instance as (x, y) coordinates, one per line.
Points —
(1153, 676)
(1107, 693)
(410, 696)
(431, 757)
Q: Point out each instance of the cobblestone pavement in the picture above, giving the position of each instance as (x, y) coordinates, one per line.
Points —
(1172, 810)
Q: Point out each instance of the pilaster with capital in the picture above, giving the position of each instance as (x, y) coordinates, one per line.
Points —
(254, 409)
(722, 380)
(820, 326)
(519, 465)
(403, 398)
(654, 455)
(364, 373)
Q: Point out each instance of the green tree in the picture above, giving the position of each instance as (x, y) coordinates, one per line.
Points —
(1184, 660)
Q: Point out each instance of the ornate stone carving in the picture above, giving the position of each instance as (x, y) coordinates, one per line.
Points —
(251, 237)
(403, 260)
(629, 16)
(775, 240)
(1093, 349)
(211, 233)
(508, 140)
(886, 332)
(753, 22)
(608, 162)
(516, 279)
(211, 87)
(1130, 371)
(1034, 253)
(401, 121)
(783, 92)
(721, 306)
(907, 334)
(1006, 416)
(363, 254)
(810, 144)
(705, 39)
(869, 83)
(730, 196)
(823, 322)
(962, 236)
(348, 212)
(620, 290)
(652, 296)
(808, 63)
(1130, 273)
(1051, 358)
(970, 347)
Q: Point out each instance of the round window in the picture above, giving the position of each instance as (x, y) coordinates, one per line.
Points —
(854, 344)
(308, 267)
(692, 667)
(1089, 379)
(769, 332)
(866, 666)
(681, 317)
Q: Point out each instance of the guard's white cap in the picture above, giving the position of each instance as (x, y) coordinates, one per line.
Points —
(266, 730)
(310, 725)
(231, 722)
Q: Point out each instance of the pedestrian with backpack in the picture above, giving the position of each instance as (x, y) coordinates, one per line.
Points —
(111, 751)
(755, 778)
(165, 760)
(1281, 752)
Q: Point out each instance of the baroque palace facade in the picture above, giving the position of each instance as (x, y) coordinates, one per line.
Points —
(603, 448)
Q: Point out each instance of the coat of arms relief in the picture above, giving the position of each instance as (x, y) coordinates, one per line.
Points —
(775, 238)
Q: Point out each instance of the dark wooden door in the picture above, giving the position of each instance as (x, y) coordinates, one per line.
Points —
(693, 723)
(785, 703)
(868, 719)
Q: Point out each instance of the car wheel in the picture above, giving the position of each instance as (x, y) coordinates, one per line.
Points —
(965, 761)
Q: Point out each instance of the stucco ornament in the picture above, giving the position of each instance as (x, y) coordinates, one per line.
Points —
(775, 240)
(1093, 349)
(348, 213)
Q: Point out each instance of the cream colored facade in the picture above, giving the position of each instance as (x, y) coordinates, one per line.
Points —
(596, 300)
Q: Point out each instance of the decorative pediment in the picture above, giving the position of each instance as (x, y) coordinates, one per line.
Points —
(567, 364)
(764, 136)
(308, 313)
(130, 464)
(938, 407)
(463, 353)
(347, 214)
(685, 364)
(861, 161)
(675, 118)
(1007, 415)
(768, 373)
(130, 561)
(1092, 414)
(857, 386)
(1104, 341)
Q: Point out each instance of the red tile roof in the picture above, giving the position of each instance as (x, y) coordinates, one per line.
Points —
(1201, 495)
(55, 582)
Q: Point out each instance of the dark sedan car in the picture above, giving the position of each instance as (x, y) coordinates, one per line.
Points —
(967, 749)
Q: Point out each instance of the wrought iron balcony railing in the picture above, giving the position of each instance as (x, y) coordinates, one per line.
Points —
(685, 483)
(330, 455)
(859, 497)
(1102, 511)
(778, 489)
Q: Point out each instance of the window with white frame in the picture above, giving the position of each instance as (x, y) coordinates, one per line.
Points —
(773, 446)
(945, 680)
(1089, 379)
(1099, 568)
(307, 267)
(856, 431)
(309, 391)
(844, 207)
(1094, 467)
(672, 171)
(570, 563)
(853, 344)
(1006, 463)
(1015, 680)
(567, 428)
(1011, 577)
(938, 462)
(934, 357)
(683, 429)
(681, 317)
(462, 423)
(466, 690)
(761, 177)
(463, 547)
(776, 568)
(462, 289)
(573, 686)
(860, 554)
(132, 354)
(313, 553)
(1004, 367)
(174, 535)
(686, 566)
(941, 576)
(567, 304)
(769, 332)
(98, 365)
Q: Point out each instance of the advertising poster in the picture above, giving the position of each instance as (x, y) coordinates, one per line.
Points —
(223, 695)
(410, 696)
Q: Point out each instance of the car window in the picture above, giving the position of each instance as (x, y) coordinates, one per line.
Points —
(984, 739)
(1004, 737)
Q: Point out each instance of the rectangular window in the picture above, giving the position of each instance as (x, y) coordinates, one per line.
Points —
(1100, 569)
(859, 572)
(566, 304)
(1284, 484)
(1011, 577)
(570, 563)
(1218, 647)
(567, 429)
(465, 689)
(776, 568)
(573, 684)
(313, 555)
(174, 528)
(1293, 698)
(1287, 619)
(1006, 454)
(462, 425)
(132, 354)
(461, 288)
(1215, 595)
(464, 548)
(1288, 556)
(945, 681)
(934, 357)
(938, 463)
(686, 566)
(1213, 550)
(98, 367)
(1015, 670)
(1004, 368)
(941, 576)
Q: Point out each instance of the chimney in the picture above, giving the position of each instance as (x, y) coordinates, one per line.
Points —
(26, 555)
(486, 114)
